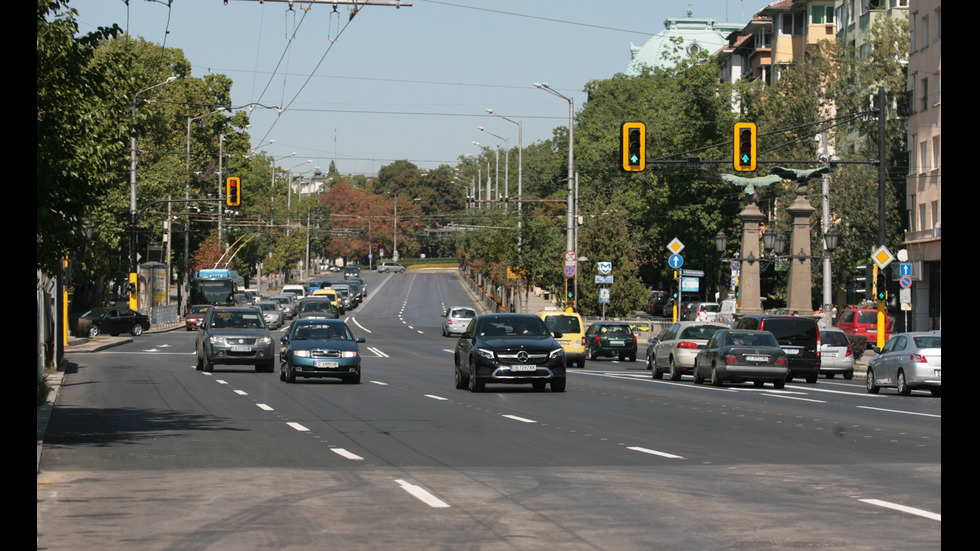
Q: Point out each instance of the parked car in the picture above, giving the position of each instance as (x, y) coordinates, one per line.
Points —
(509, 349)
(115, 320)
(862, 321)
(733, 355)
(317, 347)
(386, 266)
(233, 335)
(195, 316)
(676, 347)
(456, 319)
(909, 361)
(836, 354)
(798, 336)
(609, 338)
(570, 325)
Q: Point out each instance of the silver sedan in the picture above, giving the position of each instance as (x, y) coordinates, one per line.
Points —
(909, 361)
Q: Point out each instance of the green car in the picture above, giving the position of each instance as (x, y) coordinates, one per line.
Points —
(610, 338)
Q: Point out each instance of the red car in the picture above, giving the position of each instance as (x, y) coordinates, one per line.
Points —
(196, 316)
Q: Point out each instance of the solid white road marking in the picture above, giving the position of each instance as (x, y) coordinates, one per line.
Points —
(298, 427)
(265, 407)
(379, 383)
(434, 397)
(905, 412)
(904, 509)
(241, 393)
(521, 419)
(655, 452)
(221, 381)
(422, 495)
(366, 330)
(346, 454)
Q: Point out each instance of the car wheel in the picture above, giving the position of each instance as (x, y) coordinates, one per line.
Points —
(829, 375)
(779, 385)
(870, 382)
(698, 379)
(200, 364)
(539, 385)
(622, 357)
(758, 384)
(558, 385)
(476, 385)
(937, 392)
(903, 385)
(137, 330)
(282, 372)
(812, 379)
(849, 375)
(593, 354)
(675, 374)
(715, 378)
(93, 331)
(270, 366)
(461, 382)
(649, 363)
(290, 374)
(208, 366)
(632, 357)
(657, 374)
(355, 379)
(581, 363)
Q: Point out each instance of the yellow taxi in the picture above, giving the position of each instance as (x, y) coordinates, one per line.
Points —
(572, 330)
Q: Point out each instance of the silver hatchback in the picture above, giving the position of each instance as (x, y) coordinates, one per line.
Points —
(456, 319)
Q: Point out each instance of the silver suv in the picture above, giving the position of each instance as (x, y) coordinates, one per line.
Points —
(386, 266)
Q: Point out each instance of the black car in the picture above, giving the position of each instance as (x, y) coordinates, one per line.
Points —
(608, 338)
(509, 349)
(317, 307)
(115, 320)
(741, 355)
(798, 336)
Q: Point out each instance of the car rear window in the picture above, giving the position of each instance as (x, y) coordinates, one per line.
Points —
(563, 324)
(833, 338)
(792, 330)
(867, 317)
(463, 313)
(928, 342)
(699, 331)
(617, 330)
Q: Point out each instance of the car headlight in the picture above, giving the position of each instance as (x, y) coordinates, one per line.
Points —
(556, 353)
(349, 354)
(264, 340)
(488, 354)
(301, 353)
(217, 340)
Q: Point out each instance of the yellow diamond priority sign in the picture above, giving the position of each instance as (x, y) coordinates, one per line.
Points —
(882, 257)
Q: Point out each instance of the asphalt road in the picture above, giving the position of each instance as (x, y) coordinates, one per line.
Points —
(143, 451)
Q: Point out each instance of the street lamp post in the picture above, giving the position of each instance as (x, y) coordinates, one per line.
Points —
(133, 280)
(506, 166)
(570, 222)
(520, 185)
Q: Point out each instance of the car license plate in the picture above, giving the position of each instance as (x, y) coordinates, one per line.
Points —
(616, 343)
(792, 351)
(757, 358)
(241, 348)
(523, 368)
(564, 342)
(324, 363)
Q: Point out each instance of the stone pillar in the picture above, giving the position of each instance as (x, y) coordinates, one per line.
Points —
(799, 293)
(749, 299)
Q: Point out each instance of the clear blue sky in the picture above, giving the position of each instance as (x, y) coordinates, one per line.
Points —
(409, 83)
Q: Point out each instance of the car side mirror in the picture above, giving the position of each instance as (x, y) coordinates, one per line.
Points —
(359, 340)
(466, 335)
(558, 334)
(284, 340)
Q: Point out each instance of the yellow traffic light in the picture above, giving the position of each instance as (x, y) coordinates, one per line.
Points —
(745, 146)
(233, 191)
(634, 146)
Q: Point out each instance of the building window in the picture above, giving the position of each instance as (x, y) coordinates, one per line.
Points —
(935, 214)
(900, 3)
(925, 93)
(939, 23)
(936, 152)
(939, 87)
(924, 29)
(923, 156)
(922, 217)
(912, 159)
(912, 34)
(820, 15)
(793, 24)
(912, 219)
(839, 17)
